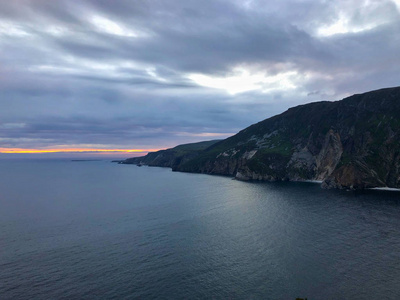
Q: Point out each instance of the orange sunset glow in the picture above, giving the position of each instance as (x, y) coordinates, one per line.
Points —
(73, 150)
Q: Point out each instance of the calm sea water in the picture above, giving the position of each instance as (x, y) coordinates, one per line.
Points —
(97, 230)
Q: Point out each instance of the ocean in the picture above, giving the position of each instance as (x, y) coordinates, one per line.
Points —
(100, 230)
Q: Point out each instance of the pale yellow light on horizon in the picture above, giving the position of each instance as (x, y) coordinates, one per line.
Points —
(72, 150)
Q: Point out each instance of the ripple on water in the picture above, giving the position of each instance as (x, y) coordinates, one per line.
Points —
(152, 233)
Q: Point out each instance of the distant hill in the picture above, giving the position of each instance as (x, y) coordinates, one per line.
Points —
(173, 157)
(352, 143)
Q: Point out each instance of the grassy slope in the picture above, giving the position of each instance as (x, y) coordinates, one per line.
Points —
(172, 153)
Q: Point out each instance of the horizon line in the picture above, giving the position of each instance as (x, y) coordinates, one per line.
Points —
(72, 150)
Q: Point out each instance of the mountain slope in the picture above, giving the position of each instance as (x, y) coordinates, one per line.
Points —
(173, 157)
(352, 143)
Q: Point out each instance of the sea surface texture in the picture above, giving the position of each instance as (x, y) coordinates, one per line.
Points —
(98, 230)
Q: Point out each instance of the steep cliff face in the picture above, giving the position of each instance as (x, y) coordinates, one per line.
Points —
(352, 143)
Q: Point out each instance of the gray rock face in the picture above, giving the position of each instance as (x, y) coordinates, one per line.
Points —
(329, 156)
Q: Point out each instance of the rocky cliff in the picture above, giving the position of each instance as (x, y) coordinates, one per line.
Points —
(352, 143)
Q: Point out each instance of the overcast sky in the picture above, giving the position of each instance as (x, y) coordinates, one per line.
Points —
(143, 74)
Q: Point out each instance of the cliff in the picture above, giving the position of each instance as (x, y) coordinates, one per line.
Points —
(353, 143)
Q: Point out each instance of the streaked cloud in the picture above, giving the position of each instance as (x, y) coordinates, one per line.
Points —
(242, 80)
(12, 125)
(218, 135)
(108, 26)
(153, 74)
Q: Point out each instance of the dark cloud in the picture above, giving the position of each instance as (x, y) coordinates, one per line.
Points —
(123, 73)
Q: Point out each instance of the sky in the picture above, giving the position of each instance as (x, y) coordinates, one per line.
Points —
(99, 77)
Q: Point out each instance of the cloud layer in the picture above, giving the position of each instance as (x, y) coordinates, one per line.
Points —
(153, 74)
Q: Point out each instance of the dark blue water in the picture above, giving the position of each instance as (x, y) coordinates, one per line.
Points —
(97, 230)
